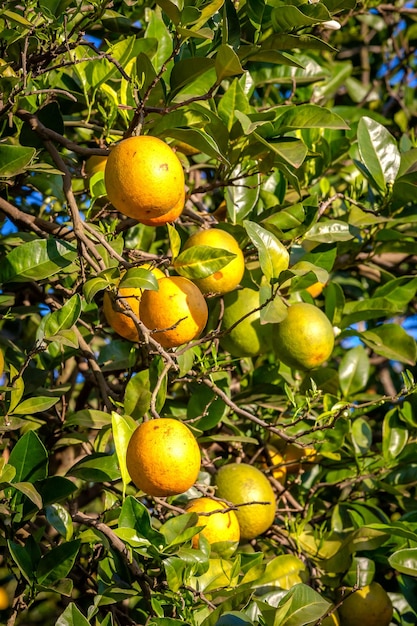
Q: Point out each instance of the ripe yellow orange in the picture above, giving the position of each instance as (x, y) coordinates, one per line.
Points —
(176, 313)
(295, 456)
(228, 277)
(315, 289)
(1, 363)
(370, 606)
(119, 321)
(4, 599)
(169, 217)
(249, 337)
(243, 484)
(144, 178)
(276, 462)
(94, 164)
(163, 457)
(305, 338)
(218, 526)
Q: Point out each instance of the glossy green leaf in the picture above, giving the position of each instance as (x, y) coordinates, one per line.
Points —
(93, 286)
(34, 405)
(392, 342)
(171, 9)
(404, 561)
(227, 63)
(38, 259)
(308, 116)
(394, 435)
(57, 562)
(72, 616)
(14, 159)
(60, 519)
(30, 491)
(273, 255)
(22, 557)
(354, 370)
(17, 388)
(233, 101)
(379, 152)
(97, 467)
(201, 261)
(138, 395)
(139, 278)
(361, 433)
(135, 516)
(30, 458)
(64, 318)
(300, 606)
(242, 196)
(367, 309)
(122, 429)
(329, 231)
(287, 17)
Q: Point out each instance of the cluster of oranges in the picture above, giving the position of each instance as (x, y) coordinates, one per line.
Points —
(144, 180)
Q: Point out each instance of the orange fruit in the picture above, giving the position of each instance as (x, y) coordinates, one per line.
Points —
(163, 457)
(249, 337)
(228, 277)
(315, 289)
(1, 363)
(176, 313)
(243, 484)
(144, 178)
(4, 599)
(119, 321)
(276, 463)
(370, 606)
(94, 164)
(305, 338)
(169, 217)
(218, 526)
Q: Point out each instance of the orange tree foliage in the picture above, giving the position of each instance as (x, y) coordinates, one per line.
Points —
(296, 136)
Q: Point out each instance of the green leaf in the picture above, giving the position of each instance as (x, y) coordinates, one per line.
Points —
(174, 241)
(139, 278)
(404, 561)
(394, 435)
(300, 605)
(17, 389)
(367, 309)
(93, 286)
(379, 152)
(64, 318)
(21, 555)
(354, 370)
(34, 405)
(14, 159)
(329, 231)
(37, 260)
(171, 10)
(135, 516)
(273, 255)
(72, 616)
(227, 63)
(201, 261)
(361, 436)
(137, 398)
(97, 467)
(60, 519)
(57, 562)
(242, 196)
(30, 458)
(287, 17)
(122, 429)
(308, 116)
(392, 342)
(30, 492)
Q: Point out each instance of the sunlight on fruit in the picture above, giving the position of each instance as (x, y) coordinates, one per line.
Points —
(163, 457)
